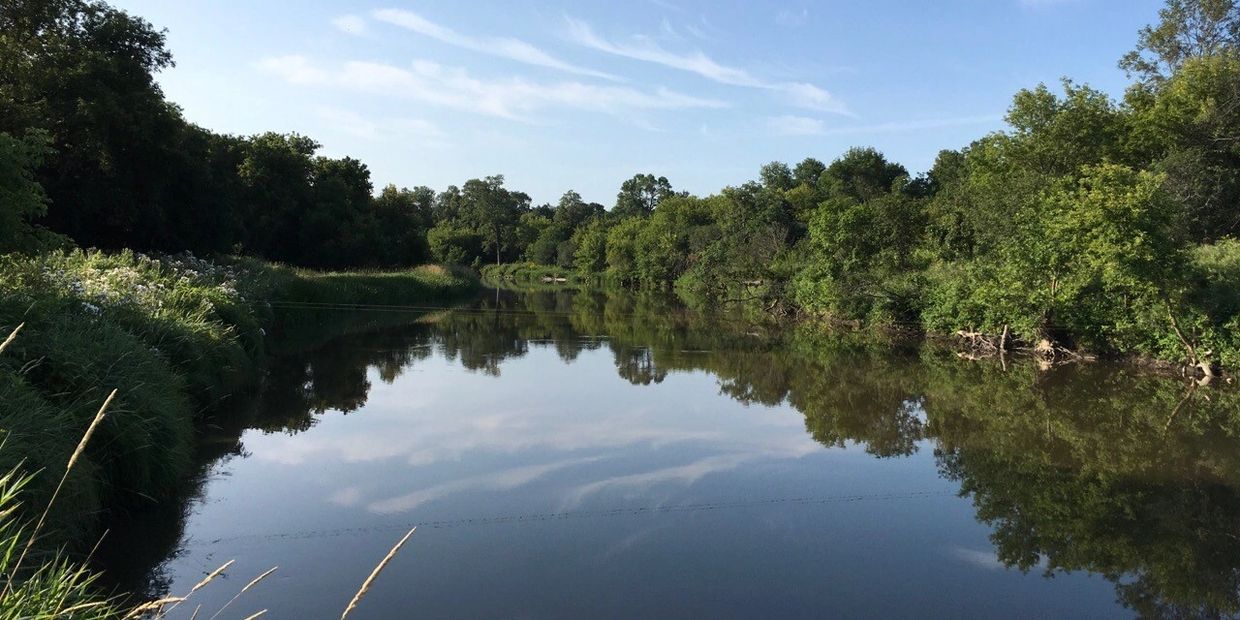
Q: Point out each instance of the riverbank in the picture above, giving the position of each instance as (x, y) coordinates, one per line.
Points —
(175, 336)
(534, 276)
(1200, 344)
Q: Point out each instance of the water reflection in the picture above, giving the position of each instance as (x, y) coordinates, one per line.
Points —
(1083, 470)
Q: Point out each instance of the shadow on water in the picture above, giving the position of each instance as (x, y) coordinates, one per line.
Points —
(1096, 469)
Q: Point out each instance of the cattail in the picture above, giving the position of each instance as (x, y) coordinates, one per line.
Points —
(357, 598)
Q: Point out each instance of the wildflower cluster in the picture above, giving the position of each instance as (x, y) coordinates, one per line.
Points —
(99, 282)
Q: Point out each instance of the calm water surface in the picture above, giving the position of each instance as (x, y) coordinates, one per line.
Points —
(608, 455)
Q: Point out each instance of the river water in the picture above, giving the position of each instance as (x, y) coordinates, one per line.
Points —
(590, 454)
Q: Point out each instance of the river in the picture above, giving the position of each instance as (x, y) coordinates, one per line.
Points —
(598, 454)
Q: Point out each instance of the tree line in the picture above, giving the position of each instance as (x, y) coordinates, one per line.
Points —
(1090, 222)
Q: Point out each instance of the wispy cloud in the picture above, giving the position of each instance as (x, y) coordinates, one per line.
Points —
(682, 474)
(504, 47)
(351, 24)
(513, 98)
(381, 129)
(800, 94)
(503, 480)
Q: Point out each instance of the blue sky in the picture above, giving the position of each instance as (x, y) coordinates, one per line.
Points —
(561, 95)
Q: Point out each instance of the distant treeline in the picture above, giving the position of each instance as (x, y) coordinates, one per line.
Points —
(1091, 223)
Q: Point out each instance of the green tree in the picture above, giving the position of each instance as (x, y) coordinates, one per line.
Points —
(640, 195)
(1187, 129)
(1187, 29)
(590, 244)
(82, 71)
(454, 245)
(22, 200)
(494, 212)
(622, 249)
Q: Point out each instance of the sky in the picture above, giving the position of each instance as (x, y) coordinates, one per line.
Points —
(559, 95)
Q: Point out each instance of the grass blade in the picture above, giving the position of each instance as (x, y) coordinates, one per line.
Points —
(357, 598)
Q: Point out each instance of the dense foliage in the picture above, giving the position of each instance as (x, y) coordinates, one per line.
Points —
(1090, 223)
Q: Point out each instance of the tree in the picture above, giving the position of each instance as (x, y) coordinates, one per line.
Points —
(1188, 130)
(640, 195)
(400, 219)
(590, 247)
(83, 72)
(494, 212)
(572, 211)
(777, 176)
(453, 245)
(622, 248)
(276, 183)
(808, 171)
(22, 200)
(860, 174)
(1187, 29)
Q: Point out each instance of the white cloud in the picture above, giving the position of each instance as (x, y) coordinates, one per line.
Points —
(424, 132)
(504, 47)
(514, 98)
(502, 480)
(351, 24)
(682, 474)
(795, 125)
(645, 49)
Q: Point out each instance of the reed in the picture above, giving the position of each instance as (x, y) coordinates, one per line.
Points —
(253, 582)
(361, 592)
(12, 336)
(77, 452)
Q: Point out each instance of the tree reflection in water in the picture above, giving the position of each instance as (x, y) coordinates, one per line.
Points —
(1092, 468)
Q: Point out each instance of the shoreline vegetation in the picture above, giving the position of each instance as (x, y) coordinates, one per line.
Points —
(1090, 226)
(176, 337)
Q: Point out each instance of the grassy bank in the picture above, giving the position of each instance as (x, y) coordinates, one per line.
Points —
(175, 336)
